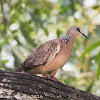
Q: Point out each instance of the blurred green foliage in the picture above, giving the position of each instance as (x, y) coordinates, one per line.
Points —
(25, 24)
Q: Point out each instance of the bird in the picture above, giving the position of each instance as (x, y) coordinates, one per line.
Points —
(51, 55)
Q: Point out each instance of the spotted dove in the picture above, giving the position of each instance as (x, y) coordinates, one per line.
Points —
(51, 55)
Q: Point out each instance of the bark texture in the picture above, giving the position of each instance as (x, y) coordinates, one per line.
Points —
(20, 86)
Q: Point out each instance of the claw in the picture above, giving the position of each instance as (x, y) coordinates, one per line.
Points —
(55, 79)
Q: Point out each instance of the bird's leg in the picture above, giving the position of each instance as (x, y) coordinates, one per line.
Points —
(55, 79)
(46, 76)
(52, 78)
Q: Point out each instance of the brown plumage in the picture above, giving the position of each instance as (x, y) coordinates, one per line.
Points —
(52, 55)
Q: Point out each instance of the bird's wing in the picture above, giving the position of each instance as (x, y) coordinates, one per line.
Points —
(43, 55)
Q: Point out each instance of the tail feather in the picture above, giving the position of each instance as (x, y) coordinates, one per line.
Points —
(19, 69)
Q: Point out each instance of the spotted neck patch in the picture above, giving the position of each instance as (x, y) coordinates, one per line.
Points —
(66, 38)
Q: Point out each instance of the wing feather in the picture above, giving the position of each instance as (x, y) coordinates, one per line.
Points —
(43, 55)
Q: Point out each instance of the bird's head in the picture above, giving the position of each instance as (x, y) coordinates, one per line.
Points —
(76, 31)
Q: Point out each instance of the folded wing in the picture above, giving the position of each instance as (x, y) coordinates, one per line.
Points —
(43, 55)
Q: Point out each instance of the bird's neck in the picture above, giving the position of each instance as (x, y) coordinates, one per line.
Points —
(66, 38)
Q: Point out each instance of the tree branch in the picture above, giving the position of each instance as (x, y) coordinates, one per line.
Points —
(19, 86)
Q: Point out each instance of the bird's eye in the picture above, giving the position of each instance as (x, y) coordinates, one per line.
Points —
(78, 29)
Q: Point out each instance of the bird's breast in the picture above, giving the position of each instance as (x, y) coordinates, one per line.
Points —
(64, 54)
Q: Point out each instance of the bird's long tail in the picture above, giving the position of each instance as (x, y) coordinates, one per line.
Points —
(19, 69)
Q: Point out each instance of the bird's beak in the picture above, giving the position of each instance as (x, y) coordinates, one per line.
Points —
(84, 35)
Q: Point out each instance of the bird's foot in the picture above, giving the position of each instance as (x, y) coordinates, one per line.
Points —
(53, 78)
(46, 76)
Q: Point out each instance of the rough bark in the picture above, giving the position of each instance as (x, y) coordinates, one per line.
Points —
(20, 86)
